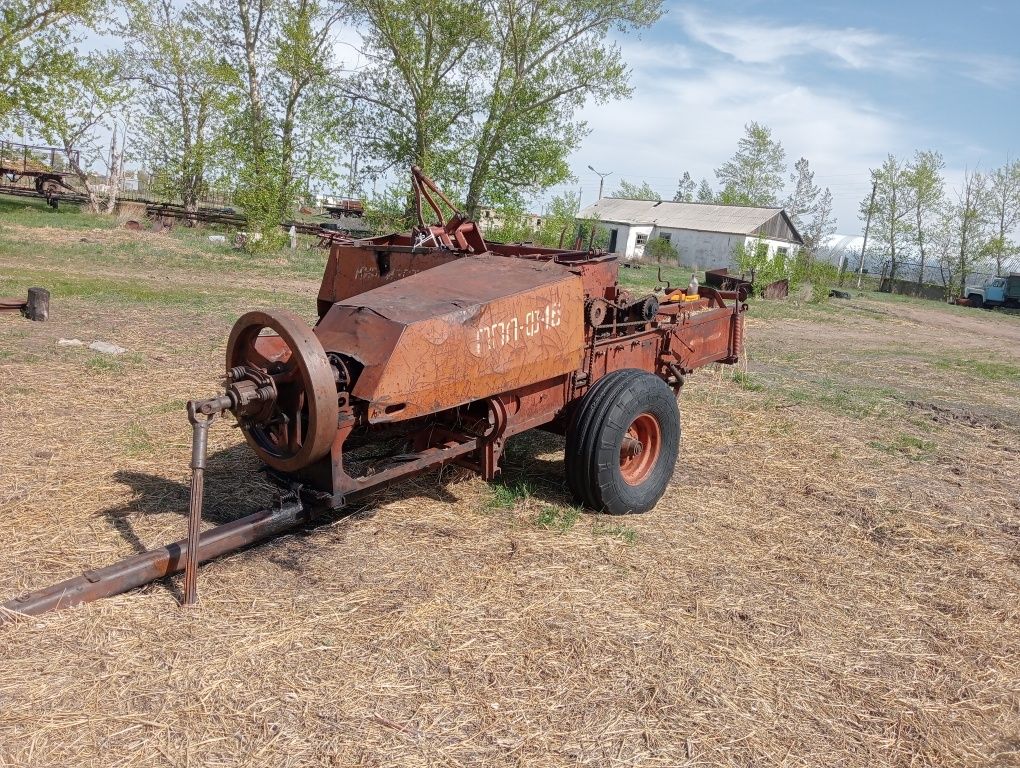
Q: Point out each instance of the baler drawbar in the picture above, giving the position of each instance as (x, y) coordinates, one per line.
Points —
(434, 347)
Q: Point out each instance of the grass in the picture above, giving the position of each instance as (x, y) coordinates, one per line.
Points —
(145, 292)
(74, 237)
(34, 212)
(508, 495)
(614, 530)
(641, 277)
(559, 519)
(746, 380)
(913, 448)
(990, 370)
(103, 364)
(856, 400)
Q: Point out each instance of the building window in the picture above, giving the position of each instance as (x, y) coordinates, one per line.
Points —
(641, 240)
(782, 251)
(667, 236)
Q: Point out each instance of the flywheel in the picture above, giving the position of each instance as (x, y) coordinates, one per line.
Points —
(299, 426)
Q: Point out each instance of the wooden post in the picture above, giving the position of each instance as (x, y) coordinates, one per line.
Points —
(38, 307)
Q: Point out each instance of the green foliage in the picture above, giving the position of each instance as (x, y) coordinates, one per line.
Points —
(754, 175)
(559, 519)
(1003, 199)
(908, 446)
(37, 40)
(508, 495)
(591, 233)
(746, 380)
(662, 250)
(685, 189)
(78, 104)
(387, 211)
(798, 267)
(512, 225)
(484, 95)
(820, 275)
(754, 259)
(809, 208)
(705, 193)
(642, 191)
(185, 90)
(559, 221)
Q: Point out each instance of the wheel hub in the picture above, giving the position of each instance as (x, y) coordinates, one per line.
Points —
(639, 449)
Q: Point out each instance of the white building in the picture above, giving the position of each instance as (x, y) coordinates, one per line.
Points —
(704, 234)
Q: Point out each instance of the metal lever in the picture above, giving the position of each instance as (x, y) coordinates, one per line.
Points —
(200, 421)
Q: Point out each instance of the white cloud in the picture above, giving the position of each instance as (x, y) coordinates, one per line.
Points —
(692, 122)
(762, 42)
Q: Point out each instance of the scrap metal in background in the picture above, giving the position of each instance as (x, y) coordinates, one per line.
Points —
(434, 347)
(42, 165)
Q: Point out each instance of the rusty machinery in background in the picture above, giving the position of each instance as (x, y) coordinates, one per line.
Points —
(434, 347)
(45, 166)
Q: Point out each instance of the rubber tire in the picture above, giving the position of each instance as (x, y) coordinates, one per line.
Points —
(592, 460)
(975, 300)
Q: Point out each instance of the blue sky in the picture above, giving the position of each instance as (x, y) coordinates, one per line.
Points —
(841, 83)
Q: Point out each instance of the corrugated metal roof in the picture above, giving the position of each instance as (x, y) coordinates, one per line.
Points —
(704, 217)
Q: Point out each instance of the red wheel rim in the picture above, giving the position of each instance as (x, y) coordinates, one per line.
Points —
(639, 451)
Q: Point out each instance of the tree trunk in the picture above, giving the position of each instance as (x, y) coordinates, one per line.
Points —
(892, 239)
(38, 306)
(920, 246)
(116, 169)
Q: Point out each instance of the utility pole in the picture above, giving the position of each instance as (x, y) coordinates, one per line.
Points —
(602, 178)
(867, 227)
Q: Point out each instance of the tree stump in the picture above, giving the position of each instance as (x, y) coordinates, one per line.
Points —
(38, 307)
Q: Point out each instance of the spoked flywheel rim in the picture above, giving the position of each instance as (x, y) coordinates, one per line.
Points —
(299, 427)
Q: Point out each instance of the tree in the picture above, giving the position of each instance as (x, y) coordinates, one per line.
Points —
(821, 226)
(969, 222)
(183, 91)
(484, 93)
(280, 54)
(924, 178)
(1003, 196)
(642, 191)
(705, 193)
(36, 39)
(559, 221)
(685, 189)
(661, 249)
(893, 207)
(74, 110)
(547, 58)
(754, 175)
(803, 201)
(416, 94)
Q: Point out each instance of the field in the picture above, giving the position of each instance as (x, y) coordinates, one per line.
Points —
(831, 578)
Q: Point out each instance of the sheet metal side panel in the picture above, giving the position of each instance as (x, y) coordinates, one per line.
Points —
(469, 354)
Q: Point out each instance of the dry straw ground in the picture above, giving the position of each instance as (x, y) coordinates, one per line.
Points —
(831, 579)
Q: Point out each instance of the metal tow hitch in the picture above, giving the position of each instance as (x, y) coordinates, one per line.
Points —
(247, 391)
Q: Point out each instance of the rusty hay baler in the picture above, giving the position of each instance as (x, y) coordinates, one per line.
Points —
(434, 347)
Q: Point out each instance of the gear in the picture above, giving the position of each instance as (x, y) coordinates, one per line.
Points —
(595, 310)
(649, 308)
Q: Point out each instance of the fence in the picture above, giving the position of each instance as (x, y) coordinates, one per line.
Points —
(933, 282)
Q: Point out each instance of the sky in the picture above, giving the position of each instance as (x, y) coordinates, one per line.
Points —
(840, 83)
